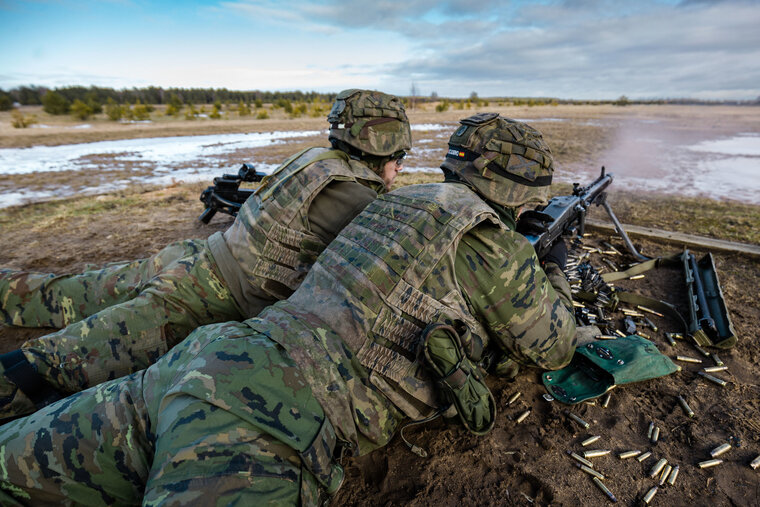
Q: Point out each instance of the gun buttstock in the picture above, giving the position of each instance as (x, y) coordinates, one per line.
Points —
(207, 215)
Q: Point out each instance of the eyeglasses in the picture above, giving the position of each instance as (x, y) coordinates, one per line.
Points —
(400, 158)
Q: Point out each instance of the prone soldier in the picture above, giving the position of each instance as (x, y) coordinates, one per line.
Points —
(122, 318)
(429, 287)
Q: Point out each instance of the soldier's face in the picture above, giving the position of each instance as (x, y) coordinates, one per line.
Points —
(391, 170)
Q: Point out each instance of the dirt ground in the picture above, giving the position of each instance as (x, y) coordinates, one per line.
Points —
(515, 464)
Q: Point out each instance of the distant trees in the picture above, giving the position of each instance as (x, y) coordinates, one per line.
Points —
(54, 103)
(6, 103)
(80, 110)
(622, 101)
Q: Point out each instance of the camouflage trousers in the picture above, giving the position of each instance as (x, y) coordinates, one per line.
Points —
(224, 418)
(115, 320)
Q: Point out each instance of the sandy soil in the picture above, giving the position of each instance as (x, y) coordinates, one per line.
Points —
(516, 464)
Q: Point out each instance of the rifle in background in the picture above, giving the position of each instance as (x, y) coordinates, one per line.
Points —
(225, 194)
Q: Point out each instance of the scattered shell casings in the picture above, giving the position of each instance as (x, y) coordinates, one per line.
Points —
(651, 324)
(673, 475)
(670, 339)
(606, 400)
(513, 398)
(644, 335)
(717, 360)
(655, 434)
(685, 406)
(649, 310)
(628, 454)
(755, 463)
(687, 359)
(595, 453)
(644, 456)
(709, 377)
(665, 474)
(650, 430)
(720, 450)
(522, 417)
(657, 468)
(590, 471)
(636, 277)
(604, 488)
(605, 337)
(709, 463)
(590, 440)
(576, 304)
(620, 333)
(577, 419)
(580, 459)
(701, 350)
(714, 369)
(650, 494)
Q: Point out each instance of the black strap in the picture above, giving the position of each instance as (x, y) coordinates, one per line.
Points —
(21, 372)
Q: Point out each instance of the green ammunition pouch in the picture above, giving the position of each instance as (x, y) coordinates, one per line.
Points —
(459, 378)
(601, 365)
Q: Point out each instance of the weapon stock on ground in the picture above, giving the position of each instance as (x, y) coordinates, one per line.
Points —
(226, 195)
(565, 215)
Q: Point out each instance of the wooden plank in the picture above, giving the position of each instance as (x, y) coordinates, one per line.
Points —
(677, 238)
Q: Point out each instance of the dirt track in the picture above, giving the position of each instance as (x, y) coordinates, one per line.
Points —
(515, 464)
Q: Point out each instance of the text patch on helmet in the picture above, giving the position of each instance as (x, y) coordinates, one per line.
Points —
(455, 153)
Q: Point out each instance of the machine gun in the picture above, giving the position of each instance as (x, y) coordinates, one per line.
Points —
(226, 195)
(565, 215)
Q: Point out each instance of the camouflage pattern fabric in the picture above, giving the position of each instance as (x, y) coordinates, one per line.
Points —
(187, 292)
(372, 122)
(30, 299)
(224, 418)
(506, 161)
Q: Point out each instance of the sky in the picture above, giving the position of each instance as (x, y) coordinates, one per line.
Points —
(569, 49)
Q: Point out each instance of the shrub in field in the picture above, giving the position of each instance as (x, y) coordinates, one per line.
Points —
(299, 110)
(263, 115)
(171, 110)
(6, 103)
(243, 109)
(258, 103)
(80, 110)
(140, 111)
(442, 106)
(191, 113)
(20, 120)
(54, 103)
(114, 111)
(215, 114)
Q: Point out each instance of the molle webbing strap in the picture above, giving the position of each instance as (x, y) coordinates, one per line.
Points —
(21, 372)
(319, 459)
(265, 191)
(460, 153)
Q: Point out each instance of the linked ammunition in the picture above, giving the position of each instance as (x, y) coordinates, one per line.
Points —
(650, 430)
(650, 494)
(714, 369)
(636, 277)
(589, 471)
(604, 488)
(655, 434)
(595, 453)
(670, 339)
(513, 398)
(657, 468)
(709, 463)
(709, 377)
(720, 450)
(685, 406)
(579, 459)
(665, 474)
(606, 400)
(755, 463)
(522, 416)
(611, 264)
(675, 336)
(644, 456)
(590, 440)
(611, 248)
(628, 454)
(577, 419)
(576, 304)
(687, 359)
(717, 360)
(673, 475)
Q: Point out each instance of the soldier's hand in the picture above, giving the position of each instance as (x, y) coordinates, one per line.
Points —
(557, 254)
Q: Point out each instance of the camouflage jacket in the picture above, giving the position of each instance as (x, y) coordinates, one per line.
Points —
(420, 254)
(270, 246)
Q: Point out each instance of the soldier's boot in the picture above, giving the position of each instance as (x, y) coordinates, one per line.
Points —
(23, 389)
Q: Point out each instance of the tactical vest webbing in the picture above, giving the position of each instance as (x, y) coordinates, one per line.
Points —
(270, 239)
(377, 285)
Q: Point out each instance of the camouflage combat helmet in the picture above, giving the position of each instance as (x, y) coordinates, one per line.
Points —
(372, 122)
(506, 161)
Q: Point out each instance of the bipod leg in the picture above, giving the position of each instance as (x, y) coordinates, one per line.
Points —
(622, 233)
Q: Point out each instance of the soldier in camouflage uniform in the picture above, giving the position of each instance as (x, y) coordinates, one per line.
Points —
(398, 319)
(122, 318)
